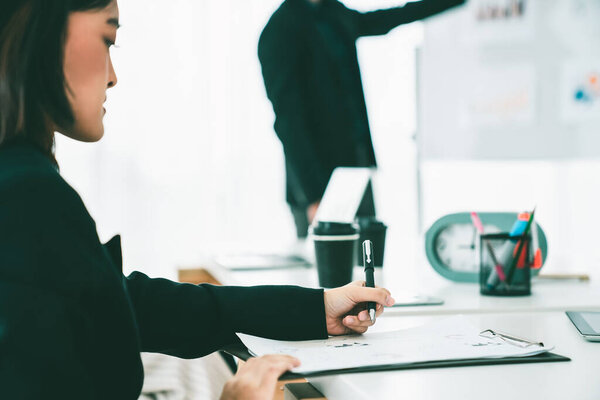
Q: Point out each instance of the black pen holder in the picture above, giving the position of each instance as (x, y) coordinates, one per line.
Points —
(505, 265)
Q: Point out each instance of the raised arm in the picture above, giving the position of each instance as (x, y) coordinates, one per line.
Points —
(381, 22)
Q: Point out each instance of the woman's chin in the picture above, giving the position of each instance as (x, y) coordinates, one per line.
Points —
(84, 134)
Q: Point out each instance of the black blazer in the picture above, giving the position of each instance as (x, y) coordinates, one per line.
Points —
(311, 74)
(72, 326)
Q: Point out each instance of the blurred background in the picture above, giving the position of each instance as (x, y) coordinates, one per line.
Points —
(467, 112)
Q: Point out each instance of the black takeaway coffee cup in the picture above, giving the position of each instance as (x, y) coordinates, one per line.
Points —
(373, 230)
(335, 250)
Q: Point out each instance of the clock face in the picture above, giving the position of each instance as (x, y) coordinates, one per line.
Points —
(457, 245)
(452, 243)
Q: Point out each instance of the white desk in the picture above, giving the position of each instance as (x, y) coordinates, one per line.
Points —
(463, 298)
(537, 317)
(576, 379)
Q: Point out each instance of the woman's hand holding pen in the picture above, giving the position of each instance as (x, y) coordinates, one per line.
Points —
(344, 313)
(345, 310)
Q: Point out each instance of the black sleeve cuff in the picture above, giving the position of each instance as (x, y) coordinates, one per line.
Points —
(274, 312)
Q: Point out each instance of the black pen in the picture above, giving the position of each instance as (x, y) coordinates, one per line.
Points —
(369, 271)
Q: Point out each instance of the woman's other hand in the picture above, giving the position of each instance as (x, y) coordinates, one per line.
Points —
(345, 310)
(256, 378)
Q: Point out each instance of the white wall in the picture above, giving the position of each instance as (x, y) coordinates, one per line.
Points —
(190, 162)
(189, 157)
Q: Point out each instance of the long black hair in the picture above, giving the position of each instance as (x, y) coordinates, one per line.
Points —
(33, 99)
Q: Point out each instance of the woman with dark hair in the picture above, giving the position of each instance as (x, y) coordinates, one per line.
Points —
(71, 325)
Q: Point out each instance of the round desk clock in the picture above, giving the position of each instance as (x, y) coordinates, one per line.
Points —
(451, 243)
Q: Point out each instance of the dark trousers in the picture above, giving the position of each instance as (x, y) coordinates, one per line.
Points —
(365, 209)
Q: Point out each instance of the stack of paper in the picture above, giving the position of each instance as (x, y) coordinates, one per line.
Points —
(454, 338)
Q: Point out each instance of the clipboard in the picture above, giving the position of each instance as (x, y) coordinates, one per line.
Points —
(240, 351)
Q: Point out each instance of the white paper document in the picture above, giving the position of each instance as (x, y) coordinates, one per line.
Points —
(454, 338)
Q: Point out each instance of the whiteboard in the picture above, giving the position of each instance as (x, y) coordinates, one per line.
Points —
(511, 79)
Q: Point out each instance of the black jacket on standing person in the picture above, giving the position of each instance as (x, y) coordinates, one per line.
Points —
(72, 326)
(310, 69)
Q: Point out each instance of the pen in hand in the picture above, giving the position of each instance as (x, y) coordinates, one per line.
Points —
(369, 272)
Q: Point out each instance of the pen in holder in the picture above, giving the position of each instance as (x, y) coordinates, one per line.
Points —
(504, 265)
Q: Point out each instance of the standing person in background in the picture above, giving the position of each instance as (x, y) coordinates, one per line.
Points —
(310, 68)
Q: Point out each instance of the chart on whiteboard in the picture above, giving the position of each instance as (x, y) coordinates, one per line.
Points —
(517, 79)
